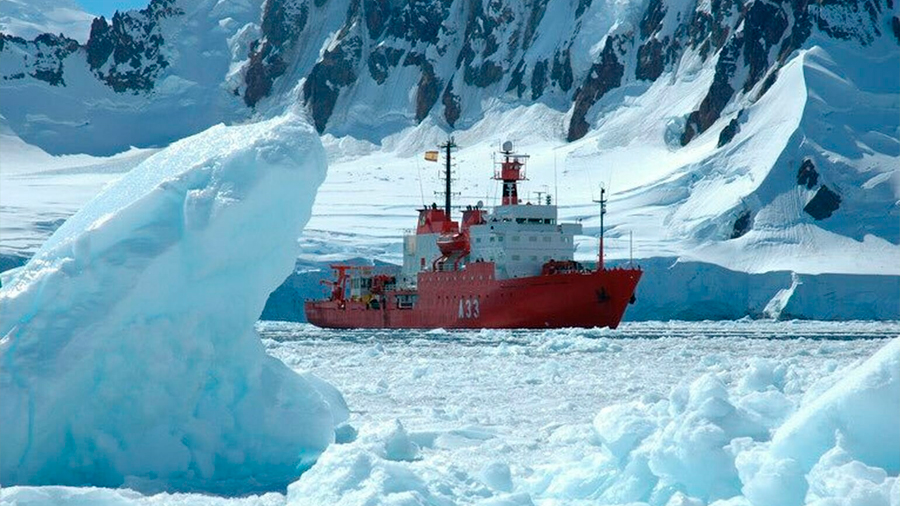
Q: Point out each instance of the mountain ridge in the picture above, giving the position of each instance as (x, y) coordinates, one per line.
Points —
(462, 50)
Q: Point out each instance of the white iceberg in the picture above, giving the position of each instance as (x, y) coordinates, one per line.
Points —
(128, 351)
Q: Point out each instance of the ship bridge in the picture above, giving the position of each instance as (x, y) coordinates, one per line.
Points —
(520, 239)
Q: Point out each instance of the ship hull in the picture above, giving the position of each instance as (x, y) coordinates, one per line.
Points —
(472, 298)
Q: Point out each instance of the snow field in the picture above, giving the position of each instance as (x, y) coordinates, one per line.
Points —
(128, 345)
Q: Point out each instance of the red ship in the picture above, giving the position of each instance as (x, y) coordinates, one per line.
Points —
(511, 268)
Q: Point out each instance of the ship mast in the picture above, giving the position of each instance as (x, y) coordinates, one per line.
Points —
(602, 203)
(447, 147)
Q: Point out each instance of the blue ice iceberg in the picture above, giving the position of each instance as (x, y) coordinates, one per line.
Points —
(128, 352)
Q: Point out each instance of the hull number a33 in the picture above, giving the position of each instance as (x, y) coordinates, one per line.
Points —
(468, 308)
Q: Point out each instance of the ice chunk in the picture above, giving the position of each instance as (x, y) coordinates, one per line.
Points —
(366, 472)
(129, 353)
(497, 476)
(836, 476)
(862, 407)
(621, 427)
(397, 444)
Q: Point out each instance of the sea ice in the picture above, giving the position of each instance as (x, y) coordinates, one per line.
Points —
(129, 355)
(743, 443)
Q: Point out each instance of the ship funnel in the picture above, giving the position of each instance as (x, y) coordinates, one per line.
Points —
(507, 147)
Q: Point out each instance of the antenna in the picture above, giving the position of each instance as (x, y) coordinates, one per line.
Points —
(602, 203)
(555, 181)
(631, 248)
(421, 189)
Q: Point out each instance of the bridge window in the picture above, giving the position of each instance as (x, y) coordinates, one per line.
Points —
(500, 238)
(534, 258)
(547, 238)
(532, 238)
(515, 257)
(492, 238)
(515, 238)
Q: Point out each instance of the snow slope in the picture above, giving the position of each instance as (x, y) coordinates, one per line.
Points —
(30, 18)
(128, 348)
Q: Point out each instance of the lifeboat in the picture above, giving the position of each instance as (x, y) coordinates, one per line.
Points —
(455, 243)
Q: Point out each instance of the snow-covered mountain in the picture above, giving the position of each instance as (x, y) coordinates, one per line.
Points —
(30, 18)
(755, 135)
(370, 68)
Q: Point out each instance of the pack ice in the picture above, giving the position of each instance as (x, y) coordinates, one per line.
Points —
(708, 444)
(129, 354)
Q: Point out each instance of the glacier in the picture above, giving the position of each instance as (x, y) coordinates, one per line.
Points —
(128, 351)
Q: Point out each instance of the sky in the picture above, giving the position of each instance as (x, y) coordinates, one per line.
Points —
(108, 7)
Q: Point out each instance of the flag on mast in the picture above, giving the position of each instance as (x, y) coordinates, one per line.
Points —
(431, 156)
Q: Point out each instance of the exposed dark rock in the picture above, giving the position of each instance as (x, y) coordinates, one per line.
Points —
(282, 23)
(517, 81)
(730, 130)
(583, 5)
(561, 71)
(336, 69)
(741, 225)
(800, 31)
(652, 20)
(849, 20)
(381, 60)
(480, 43)
(512, 45)
(44, 56)
(377, 14)
(720, 92)
(452, 108)
(100, 43)
(484, 75)
(134, 41)
(604, 75)
(538, 7)
(764, 24)
(538, 79)
(823, 204)
(54, 77)
(807, 175)
(699, 29)
(262, 71)
(650, 62)
(768, 82)
(283, 20)
(429, 85)
(895, 27)
(708, 31)
(419, 20)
